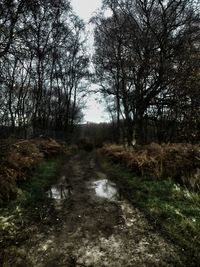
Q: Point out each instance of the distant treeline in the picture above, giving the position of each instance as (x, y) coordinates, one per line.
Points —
(155, 130)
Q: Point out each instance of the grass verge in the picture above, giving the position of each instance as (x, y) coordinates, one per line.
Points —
(35, 189)
(172, 208)
(32, 208)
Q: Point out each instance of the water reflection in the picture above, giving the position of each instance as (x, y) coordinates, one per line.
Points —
(59, 192)
(106, 189)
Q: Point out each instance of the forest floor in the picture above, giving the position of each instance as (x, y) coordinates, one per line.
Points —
(84, 221)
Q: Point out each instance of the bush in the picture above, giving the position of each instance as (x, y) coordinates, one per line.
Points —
(23, 157)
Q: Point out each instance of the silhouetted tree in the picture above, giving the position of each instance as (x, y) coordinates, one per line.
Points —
(138, 56)
(43, 65)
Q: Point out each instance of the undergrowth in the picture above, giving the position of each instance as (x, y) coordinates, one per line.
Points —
(170, 207)
(178, 161)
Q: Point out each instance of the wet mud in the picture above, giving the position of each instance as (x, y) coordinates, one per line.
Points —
(95, 226)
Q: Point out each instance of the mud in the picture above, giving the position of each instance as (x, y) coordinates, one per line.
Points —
(93, 226)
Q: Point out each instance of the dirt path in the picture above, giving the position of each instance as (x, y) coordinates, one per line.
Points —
(93, 227)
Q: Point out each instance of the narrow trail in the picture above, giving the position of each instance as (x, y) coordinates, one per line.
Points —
(94, 227)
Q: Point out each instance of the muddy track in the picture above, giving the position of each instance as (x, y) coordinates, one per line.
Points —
(93, 226)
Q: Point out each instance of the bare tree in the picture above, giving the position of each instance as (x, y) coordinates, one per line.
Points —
(10, 12)
(141, 53)
(44, 70)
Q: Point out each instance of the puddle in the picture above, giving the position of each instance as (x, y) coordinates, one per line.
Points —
(59, 192)
(106, 189)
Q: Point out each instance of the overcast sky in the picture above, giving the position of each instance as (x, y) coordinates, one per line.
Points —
(85, 9)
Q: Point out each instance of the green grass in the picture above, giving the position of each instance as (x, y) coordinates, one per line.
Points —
(171, 208)
(32, 201)
(35, 190)
(31, 207)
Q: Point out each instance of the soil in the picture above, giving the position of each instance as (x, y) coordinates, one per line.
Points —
(88, 223)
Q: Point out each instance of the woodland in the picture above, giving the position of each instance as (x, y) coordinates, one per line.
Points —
(146, 61)
(145, 65)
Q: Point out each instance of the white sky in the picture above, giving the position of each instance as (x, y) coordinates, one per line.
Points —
(85, 9)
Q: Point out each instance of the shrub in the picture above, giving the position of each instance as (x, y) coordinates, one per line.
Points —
(21, 158)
